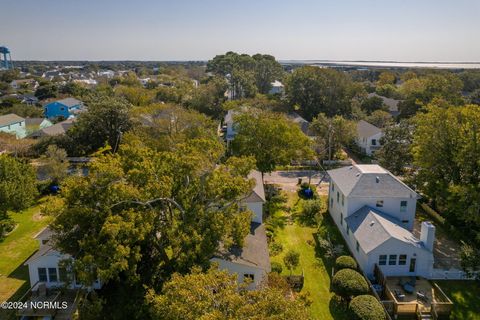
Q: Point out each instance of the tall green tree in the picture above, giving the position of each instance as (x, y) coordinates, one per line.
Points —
(314, 90)
(332, 134)
(395, 152)
(267, 70)
(104, 122)
(17, 188)
(270, 138)
(446, 149)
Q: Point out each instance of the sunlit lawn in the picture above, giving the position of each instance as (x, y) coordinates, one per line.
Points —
(16, 248)
(465, 296)
(301, 238)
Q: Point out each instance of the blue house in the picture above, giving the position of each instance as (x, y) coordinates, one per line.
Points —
(65, 108)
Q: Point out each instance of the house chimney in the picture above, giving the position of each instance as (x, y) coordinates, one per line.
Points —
(427, 235)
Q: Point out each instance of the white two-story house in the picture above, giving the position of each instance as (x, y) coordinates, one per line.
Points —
(45, 267)
(368, 137)
(375, 213)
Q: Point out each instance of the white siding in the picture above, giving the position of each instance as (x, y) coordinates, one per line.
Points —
(240, 270)
(257, 209)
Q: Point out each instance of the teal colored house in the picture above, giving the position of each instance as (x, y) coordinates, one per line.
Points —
(13, 124)
(65, 108)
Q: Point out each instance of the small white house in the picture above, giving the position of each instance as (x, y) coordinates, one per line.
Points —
(368, 137)
(277, 88)
(24, 83)
(252, 261)
(44, 266)
(375, 213)
(13, 124)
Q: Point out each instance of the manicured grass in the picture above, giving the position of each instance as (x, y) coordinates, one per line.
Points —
(16, 248)
(465, 296)
(293, 234)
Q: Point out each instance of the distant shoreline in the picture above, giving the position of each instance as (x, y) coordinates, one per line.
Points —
(387, 64)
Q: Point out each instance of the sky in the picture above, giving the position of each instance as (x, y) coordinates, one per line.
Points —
(371, 30)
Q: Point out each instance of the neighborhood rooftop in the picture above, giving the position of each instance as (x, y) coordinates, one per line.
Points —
(372, 228)
(254, 252)
(69, 102)
(9, 119)
(370, 179)
(365, 129)
(258, 190)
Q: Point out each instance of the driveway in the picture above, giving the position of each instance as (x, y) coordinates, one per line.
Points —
(288, 180)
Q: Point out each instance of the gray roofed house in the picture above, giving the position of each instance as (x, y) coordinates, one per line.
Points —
(372, 228)
(10, 119)
(258, 193)
(254, 251)
(366, 129)
(70, 102)
(368, 137)
(366, 180)
(301, 122)
(55, 130)
(392, 104)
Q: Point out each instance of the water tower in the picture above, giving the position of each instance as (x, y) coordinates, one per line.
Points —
(5, 58)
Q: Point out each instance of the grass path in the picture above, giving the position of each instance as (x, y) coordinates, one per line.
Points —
(16, 248)
(292, 235)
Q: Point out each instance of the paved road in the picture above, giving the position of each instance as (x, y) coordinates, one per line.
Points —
(288, 180)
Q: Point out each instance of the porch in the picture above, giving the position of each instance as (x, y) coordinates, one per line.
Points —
(412, 297)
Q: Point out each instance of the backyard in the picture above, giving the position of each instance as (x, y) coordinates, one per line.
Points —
(16, 248)
(465, 296)
(301, 236)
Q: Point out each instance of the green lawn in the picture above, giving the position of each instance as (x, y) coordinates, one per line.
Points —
(317, 269)
(15, 249)
(465, 296)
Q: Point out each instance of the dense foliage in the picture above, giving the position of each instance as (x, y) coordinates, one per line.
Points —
(347, 283)
(216, 295)
(345, 262)
(366, 307)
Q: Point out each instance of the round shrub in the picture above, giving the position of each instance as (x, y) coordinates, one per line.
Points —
(345, 262)
(347, 283)
(366, 307)
(275, 248)
(277, 267)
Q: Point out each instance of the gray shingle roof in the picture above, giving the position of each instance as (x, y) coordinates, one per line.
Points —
(370, 180)
(371, 228)
(392, 104)
(69, 102)
(55, 130)
(9, 119)
(365, 129)
(254, 252)
(258, 189)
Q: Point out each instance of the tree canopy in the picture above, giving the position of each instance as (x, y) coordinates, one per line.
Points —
(216, 295)
(270, 138)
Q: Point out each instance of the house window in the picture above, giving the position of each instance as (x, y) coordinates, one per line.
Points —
(405, 221)
(358, 246)
(62, 109)
(402, 259)
(331, 201)
(42, 274)
(382, 260)
(333, 187)
(403, 206)
(348, 229)
(379, 204)
(374, 142)
(338, 196)
(52, 274)
(343, 199)
(392, 259)
(249, 276)
(44, 241)
(341, 218)
(243, 207)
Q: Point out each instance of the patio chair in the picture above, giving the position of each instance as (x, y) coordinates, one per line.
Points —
(412, 281)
